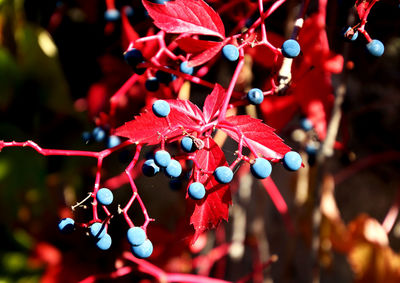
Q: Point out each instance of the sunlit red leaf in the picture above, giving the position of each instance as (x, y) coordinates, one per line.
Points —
(213, 102)
(186, 16)
(214, 207)
(147, 128)
(200, 51)
(260, 136)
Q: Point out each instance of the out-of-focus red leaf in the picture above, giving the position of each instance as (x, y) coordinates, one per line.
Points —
(213, 103)
(273, 107)
(258, 135)
(129, 33)
(263, 55)
(147, 128)
(186, 16)
(214, 207)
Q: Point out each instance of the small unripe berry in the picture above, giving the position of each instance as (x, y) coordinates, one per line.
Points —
(66, 225)
(144, 250)
(350, 34)
(255, 96)
(136, 236)
(184, 68)
(292, 161)
(150, 168)
(376, 48)
(261, 168)
(196, 190)
(290, 48)
(104, 243)
(223, 175)
(162, 158)
(174, 169)
(230, 52)
(161, 108)
(104, 196)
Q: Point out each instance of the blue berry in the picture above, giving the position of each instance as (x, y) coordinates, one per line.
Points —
(174, 169)
(164, 77)
(112, 15)
(290, 48)
(98, 134)
(161, 108)
(129, 12)
(113, 141)
(306, 124)
(196, 191)
(223, 175)
(150, 168)
(152, 84)
(133, 57)
(184, 68)
(104, 243)
(350, 34)
(311, 149)
(375, 48)
(188, 145)
(87, 137)
(292, 161)
(66, 225)
(230, 52)
(144, 250)
(255, 96)
(261, 168)
(104, 196)
(162, 158)
(136, 236)
(97, 230)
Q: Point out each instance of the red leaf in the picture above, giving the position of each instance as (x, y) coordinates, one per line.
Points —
(205, 56)
(148, 128)
(363, 8)
(214, 207)
(192, 45)
(201, 51)
(186, 16)
(188, 108)
(260, 136)
(213, 103)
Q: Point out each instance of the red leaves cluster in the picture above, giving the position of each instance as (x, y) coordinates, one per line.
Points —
(184, 118)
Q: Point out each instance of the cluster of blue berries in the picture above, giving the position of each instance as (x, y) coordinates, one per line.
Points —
(162, 158)
(101, 135)
(97, 230)
(141, 247)
(375, 47)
